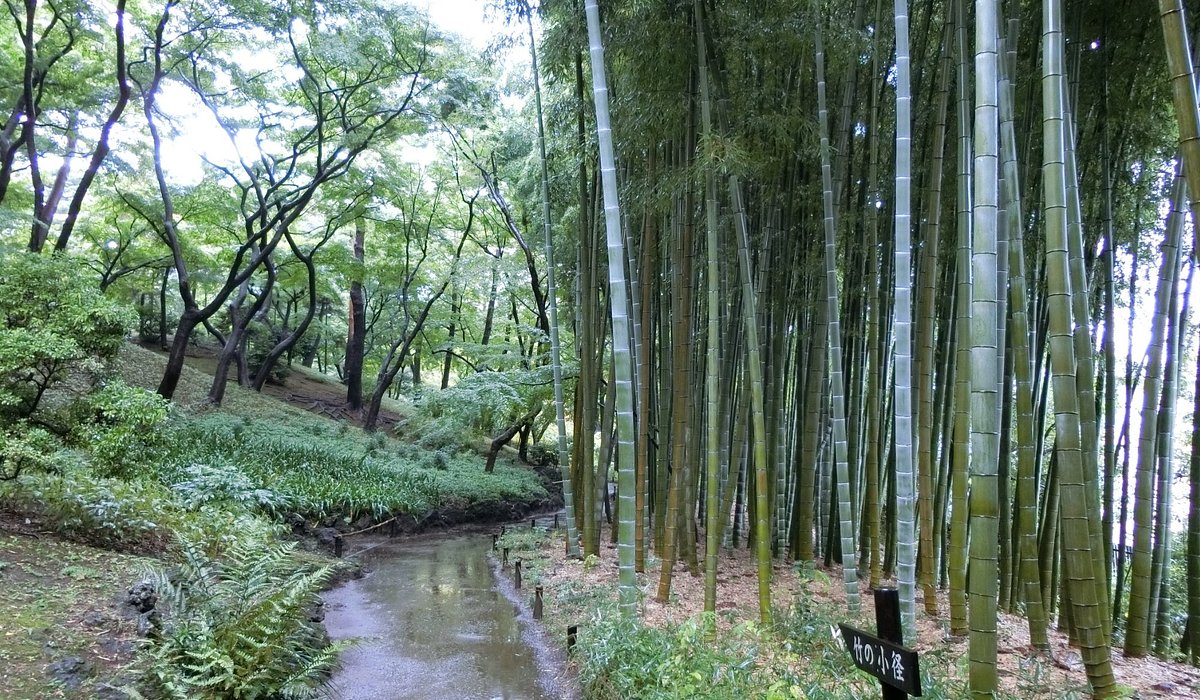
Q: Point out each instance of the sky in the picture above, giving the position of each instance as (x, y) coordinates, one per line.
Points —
(468, 18)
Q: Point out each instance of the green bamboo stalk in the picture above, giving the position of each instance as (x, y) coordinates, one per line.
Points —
(985, 420)
(1026, 525)
(1137, 627)
(902, 328)
(926, 317)
(960, 450)
(762, 530)
(564, 455)
(623, 362)
(1183, 94)
(712, 358)
(837, 390)
(1073, 504)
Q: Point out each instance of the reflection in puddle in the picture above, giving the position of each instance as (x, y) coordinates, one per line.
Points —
(430, 623)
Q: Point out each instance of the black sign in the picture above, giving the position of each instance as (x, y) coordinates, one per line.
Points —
(891, 663)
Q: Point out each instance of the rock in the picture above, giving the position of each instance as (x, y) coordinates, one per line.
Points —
(298, 524)
(149, 623)
(325, 535)
(315, 612)
(95, 619)
(70, 671)
(116, 646)
(108, 691)
(142, 597)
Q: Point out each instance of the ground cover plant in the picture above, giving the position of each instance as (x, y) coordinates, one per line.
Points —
(60, 634)
(206, 493)
(672, 651)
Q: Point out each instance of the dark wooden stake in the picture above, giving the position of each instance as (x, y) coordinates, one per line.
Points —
(494, 538)
(887, 624)
(572, 635)
(517, 574)
(556, 521)
(337, 546)
(533, 523)
(504, 557)
(537, 603)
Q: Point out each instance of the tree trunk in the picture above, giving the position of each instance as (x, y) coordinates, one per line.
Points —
(357, 331)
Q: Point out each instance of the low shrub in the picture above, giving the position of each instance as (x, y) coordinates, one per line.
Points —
(53, 321)
(122, 426)
(239, 626)
(129, 515)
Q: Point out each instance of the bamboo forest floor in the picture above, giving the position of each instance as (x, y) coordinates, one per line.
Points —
(1023, 672)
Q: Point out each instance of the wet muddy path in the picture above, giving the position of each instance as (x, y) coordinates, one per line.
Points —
(431, 621)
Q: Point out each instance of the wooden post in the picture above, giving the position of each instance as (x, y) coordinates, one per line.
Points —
(537, 603)
(556, 521)
(504, 557)
(533, 523)
(494, 539)
(337, 546)
(572, 635)
(517, 574)
(887, 624)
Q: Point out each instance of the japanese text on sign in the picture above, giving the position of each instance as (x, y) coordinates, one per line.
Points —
(890, 663)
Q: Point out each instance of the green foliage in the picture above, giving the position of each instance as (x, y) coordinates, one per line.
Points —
(122, 426)
(341, 476)
(118, 513)
(224, 486)
(316, 480)
(483, 403)
(54, 322)
(238, 626)
(625, 659)
(24, 449)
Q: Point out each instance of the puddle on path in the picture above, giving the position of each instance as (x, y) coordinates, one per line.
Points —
(431, 622)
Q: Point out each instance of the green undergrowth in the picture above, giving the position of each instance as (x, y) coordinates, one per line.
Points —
(798, 657)
(293, 461)
(211, 494)
(58, 604)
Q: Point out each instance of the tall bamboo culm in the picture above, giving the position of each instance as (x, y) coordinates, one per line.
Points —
(902, 328)
(622, 358)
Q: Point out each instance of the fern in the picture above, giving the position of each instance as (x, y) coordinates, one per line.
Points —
(237, 627)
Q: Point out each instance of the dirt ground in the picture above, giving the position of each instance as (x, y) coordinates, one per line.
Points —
(304, 388)
(63, 632)
(1023, 671)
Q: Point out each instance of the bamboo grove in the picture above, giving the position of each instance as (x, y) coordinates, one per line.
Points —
(902, 287)
(898, 287)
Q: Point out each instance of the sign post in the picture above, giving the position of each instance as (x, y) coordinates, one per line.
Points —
(884, 656)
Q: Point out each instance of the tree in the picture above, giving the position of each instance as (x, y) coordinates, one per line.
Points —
(355, 87)
(53, 322)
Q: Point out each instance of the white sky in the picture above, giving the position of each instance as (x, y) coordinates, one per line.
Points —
(469, 18)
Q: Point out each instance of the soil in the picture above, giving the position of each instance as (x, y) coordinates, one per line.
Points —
(303, 388)
(64, 631)
(1024, 672)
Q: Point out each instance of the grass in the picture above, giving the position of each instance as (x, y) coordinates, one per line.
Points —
(59, 601)
(796, 658)
(224, 477)
(322, 469)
